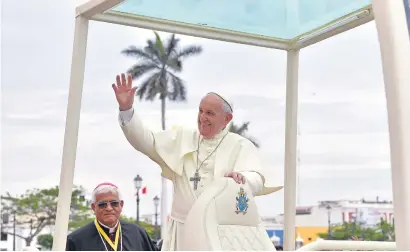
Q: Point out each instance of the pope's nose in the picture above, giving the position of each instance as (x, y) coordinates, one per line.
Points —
(202, 119)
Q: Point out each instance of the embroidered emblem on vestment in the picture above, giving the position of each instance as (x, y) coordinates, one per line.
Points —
(242, 202)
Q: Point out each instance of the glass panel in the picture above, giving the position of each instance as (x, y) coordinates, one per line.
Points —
(283, 19)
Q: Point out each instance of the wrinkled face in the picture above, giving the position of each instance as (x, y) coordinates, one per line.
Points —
(107, 208)
(211, 117)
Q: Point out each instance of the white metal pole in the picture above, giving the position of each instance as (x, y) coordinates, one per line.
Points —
(71, 133)
(164, 208)
(291, 148)
(394, 42)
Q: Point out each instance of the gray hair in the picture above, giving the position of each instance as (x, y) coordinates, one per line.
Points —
(226, 107)
(105, 189)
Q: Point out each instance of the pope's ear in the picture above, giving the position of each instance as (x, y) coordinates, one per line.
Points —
(229, 117)
(122, 203)
(93, 207)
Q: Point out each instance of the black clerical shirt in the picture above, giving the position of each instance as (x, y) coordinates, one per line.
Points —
(134, 238)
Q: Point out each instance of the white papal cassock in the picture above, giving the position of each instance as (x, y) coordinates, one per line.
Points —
(175, 151)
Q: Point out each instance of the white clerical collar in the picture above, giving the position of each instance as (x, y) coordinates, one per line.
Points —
(110, 230)
(217, 137)
(222, 133)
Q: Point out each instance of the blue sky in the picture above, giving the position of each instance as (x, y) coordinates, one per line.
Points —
(344, 147)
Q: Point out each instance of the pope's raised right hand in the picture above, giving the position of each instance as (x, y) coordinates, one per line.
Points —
(124, 92)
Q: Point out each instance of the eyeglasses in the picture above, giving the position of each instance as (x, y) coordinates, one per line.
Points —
(104, 204)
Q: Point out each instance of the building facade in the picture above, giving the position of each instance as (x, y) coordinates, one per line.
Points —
(311, 220)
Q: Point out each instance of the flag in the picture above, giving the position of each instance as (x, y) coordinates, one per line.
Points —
(143, 191)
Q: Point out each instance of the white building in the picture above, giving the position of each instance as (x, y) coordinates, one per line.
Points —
(150, 218)
(7, 237)
(337, 212)
(6, 243)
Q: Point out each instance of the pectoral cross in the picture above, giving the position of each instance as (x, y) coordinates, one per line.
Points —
(196, 178)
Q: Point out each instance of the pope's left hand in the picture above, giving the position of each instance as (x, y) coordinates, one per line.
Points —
(239, 178)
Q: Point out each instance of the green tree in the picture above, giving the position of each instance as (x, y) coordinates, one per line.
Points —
(78, 222)
(45, 241)
(147, 226)
(36, 209)
(383, 231)
(345, 231)
(242, 130)
(161, 62)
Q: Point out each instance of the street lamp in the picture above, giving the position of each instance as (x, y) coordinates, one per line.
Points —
(329, 211)
(137, 184)
(156, 204)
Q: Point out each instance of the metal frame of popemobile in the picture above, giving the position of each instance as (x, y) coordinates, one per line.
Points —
(394, 41)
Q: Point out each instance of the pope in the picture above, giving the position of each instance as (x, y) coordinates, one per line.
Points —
(192, 158)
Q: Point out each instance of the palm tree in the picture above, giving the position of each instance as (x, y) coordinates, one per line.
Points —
(161, 62)
(241, 130)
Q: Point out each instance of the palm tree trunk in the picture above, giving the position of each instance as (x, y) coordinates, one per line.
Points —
(164, 196)
(163, 113)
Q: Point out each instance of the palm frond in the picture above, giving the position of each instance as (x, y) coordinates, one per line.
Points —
(150, 87)
(163, 86)
(172, 45)
(178, 90)
(137, 53)
(257, 145)
(142, 89)
(175, 64)
(241, 130)
(189, 51)
(151, 48)
(153, 89)
(175, 61)
(139, 70)
(159, 45)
